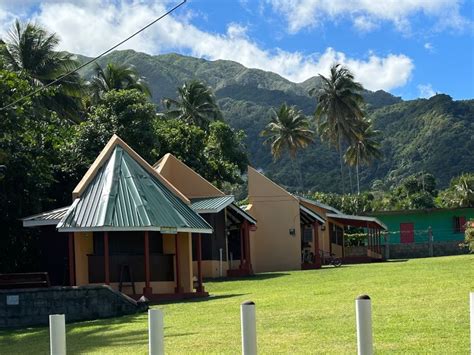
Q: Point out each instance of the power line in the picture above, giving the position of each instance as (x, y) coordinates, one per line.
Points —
(93, 59)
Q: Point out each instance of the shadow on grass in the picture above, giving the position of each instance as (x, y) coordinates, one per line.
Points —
(256, 277)
(210, 298)
(396, 260)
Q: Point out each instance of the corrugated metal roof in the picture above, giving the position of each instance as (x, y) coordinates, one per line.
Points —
(211, 204)
(124, 196)
(46, 218)
(318, 204)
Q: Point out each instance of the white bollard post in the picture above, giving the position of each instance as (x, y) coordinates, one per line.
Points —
(220, 262)
(155, 332)
(57, 334)
(364, 325)
(472, 321)
(249, 328)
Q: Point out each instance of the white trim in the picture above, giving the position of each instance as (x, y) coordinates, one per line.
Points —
(312, 214)
(244, 214)
(130, 229)
(357, 218)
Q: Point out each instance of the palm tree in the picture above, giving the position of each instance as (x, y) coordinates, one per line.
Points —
(289, 130)
(364, 149)
(116, 77)
(31, 49)
(339, 110)
(196, 105)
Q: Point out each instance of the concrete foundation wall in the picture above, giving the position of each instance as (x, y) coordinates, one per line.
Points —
(422, 250)
(29, 307)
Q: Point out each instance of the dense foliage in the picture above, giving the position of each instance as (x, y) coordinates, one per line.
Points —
(432, 135)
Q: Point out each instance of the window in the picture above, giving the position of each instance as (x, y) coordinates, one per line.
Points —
(459, 224)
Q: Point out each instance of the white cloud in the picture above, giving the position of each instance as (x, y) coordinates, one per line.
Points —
(364, 23)
(95, 26)
(429, 47)
(426, 91)
(309, 13)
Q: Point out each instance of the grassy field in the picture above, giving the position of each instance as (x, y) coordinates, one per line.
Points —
(419, 306)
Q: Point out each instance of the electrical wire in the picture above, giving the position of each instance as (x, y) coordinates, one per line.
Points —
(93, 59)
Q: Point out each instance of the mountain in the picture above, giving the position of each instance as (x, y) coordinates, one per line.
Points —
(435, 135)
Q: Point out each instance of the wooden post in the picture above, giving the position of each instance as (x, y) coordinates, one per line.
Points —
(200, 287)
(147, 290)
(72, 271)
(178, 280)
(364, 325)
(247, 247)
(155, 332)
(317, 255)
(248, 328)
(106, 258)
(241, 246)
(57, 334)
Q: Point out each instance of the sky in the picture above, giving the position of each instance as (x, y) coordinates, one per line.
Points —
(410, 48)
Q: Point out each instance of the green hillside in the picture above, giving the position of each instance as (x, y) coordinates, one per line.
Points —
(434, 135)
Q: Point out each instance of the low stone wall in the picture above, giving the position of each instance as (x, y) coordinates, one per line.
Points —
(28, 307)
(422, 250)
(359, 250)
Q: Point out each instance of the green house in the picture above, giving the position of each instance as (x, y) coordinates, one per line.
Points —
(410, 232)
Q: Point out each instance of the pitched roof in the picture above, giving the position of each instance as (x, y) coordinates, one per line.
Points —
(211, 204)
(125, 193)
(46, 218)
(311, 216)
(185, 179)
(357, 221)
(318, 204)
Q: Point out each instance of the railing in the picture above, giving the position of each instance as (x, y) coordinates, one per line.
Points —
(161, 267)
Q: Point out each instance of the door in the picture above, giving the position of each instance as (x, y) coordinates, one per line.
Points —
(407, 233)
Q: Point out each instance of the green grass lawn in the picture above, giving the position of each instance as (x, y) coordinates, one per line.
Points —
(419, 306)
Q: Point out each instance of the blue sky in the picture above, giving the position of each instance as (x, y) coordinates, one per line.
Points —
(411, 48)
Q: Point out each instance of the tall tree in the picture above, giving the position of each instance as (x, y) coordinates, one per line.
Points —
(116, 77)
(363, 149)
(460, 192)
(339, 110)
(196, 104)
(30, 49)
(289, 130)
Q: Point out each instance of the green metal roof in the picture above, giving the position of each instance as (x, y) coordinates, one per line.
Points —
(45, 218)
(211, 204)
(124, 196)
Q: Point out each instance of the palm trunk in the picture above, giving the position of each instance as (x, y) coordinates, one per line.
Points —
(340, 161)
(357, 171)
(299, 175)
(350, 179)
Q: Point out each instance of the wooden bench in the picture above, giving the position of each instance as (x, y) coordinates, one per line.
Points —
(24, 280)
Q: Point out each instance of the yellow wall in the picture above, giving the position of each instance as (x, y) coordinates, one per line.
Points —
(210, 268)
(185, 261)
(271, 245)
(83, 245)
(186, 180)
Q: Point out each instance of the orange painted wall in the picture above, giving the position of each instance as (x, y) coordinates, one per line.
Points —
(271, 245)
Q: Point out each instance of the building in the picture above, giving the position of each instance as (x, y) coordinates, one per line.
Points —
(226, 252)
(288, 225)
(427, 232)
(129, 228)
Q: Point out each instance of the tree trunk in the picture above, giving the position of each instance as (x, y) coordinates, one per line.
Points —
(350, 179)
(299, 175)
(357, 171)
(340, 161)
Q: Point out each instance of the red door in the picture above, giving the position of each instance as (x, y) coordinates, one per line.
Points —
(407, 233)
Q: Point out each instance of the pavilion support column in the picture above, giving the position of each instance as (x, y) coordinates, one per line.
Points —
(147, 290)
(72, 269)
(106, 258)
(317, 255)
(178, 288)
(200, 287)
(248, 260)
(241, 246)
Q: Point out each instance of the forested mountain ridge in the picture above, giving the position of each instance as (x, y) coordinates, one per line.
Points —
(434, 135)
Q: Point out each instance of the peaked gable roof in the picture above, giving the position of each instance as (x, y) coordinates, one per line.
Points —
(125, 193)
(185, 179)
(259, 186)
